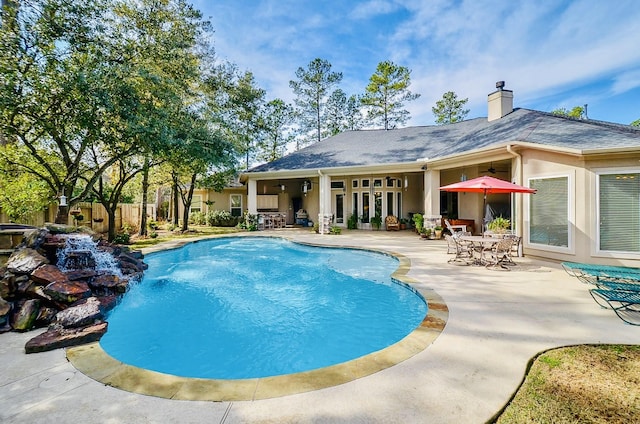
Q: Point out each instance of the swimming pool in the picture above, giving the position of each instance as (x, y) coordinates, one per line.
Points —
(237, 308)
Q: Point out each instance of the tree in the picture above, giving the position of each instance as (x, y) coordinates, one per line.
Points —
(635, 123)
(449, 109)
(152, 75)
(312, 88)
(342, 113)
(386, 93)
(234, 104)
(277, 131)
(52, 103)
(577, 112)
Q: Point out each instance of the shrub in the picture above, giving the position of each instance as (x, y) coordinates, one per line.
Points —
(122, 238)
(221, 218)
(198, 218)
(335, 230)
(153, 224)
(249, 222)
(352, 222)
(153, 234)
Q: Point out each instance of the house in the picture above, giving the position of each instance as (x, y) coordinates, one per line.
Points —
(587, 176)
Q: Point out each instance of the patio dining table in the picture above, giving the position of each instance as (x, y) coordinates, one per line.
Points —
(478, 246)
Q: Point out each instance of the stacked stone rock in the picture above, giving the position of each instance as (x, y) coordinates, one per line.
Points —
(35, 293)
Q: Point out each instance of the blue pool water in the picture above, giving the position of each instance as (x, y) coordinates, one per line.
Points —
(236, 308)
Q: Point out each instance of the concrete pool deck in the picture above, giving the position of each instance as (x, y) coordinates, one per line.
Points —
(497, 322)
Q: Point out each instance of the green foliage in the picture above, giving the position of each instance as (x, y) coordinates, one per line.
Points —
(312, 88)
(221, 218)
(277, 130)
(198, 218)
(335, 230)
(248, 222)
(21, 194)
(342, 113)
(418, 221)
(376, 222)
(635, 123)
(153, 225)
(122, 238)
(352, 222)
(577, 112)
(449, 109)
(386, 93)
(499, 225)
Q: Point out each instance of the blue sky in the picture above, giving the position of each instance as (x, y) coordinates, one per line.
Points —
(552, 54)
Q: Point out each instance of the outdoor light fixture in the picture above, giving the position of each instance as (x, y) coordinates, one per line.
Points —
(406, 182)
(282, 187)
(63, 200)
(306, 186)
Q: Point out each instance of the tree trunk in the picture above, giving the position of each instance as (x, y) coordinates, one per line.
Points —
(111, 214)
(145, 189)
(187, 203)
(175, 187)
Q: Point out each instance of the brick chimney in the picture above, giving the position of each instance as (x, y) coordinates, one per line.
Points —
(500, 102)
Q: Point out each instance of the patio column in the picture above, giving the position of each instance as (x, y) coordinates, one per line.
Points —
(432, 215)
(324, 199)
(252, 196)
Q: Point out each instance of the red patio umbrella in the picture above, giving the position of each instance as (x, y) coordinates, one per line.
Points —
(487, 185)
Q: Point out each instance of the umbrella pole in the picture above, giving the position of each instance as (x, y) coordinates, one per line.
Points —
(484, 210)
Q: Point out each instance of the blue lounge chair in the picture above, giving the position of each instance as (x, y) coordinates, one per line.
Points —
(591, 274)
(626, 304)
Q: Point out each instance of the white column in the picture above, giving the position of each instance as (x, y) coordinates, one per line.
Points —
(252, 196)
(432, 215)
(324, 199)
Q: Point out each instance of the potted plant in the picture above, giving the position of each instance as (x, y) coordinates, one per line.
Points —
(403, 224)
(425, 233)
(438, 232)
(352, 222)
(418, 220)
(499, 225)
(376, 221)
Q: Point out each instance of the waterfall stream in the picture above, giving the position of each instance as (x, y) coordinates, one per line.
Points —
(81, 252)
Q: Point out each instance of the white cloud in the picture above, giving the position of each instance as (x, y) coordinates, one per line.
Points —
(539, 48)
(373, 8)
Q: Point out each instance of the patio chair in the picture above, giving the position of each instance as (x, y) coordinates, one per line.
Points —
(626, 304)
(499, 255)
(391, 223)
(463, 251)
(454, 228)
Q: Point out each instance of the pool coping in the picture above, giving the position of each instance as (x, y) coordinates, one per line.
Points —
(95, 363)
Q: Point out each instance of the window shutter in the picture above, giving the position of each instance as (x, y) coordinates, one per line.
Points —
(549, 212)
(620, 212)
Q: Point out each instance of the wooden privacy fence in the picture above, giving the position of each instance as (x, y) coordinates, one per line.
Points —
(94, 215)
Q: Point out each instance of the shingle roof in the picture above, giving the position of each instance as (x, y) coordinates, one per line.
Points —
(406, 145)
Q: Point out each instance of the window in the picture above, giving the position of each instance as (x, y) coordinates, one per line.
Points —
(365, 183)
(235, 205)
(377, 182)
(196, 204)
(391, 182)
(337, 185)
(365, 207)
(390, 203)
(619, 212)
(355, 204)
(354, 183)
(549, 212)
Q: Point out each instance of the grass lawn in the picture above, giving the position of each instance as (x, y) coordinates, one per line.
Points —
(194, 231)
(579, 384)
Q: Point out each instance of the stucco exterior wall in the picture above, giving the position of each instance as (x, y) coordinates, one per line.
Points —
(583, 199)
